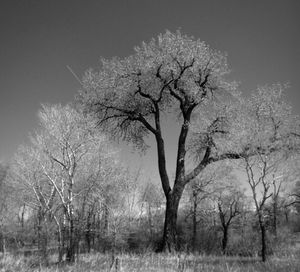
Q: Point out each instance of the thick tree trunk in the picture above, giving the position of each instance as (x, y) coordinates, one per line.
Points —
(170, 241)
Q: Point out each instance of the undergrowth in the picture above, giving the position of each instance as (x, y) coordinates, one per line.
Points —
(152, 262)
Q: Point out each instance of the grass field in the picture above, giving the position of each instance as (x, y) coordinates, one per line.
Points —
(154, 262)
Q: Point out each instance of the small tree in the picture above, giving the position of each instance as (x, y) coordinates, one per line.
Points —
(229, 201)
(261, 165)
(202, 188)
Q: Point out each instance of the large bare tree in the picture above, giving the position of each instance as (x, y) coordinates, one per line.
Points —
(171, 75)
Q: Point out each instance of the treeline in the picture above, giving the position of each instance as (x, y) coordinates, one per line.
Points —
(66, 192)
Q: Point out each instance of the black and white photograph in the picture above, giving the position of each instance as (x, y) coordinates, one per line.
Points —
(147, 135)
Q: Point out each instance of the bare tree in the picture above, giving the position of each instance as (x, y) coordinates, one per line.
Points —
(258, 169)
(202, 188)
(66, 159)
(229, 202)
(171, 74)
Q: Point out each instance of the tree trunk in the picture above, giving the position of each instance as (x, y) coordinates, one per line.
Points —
(60, 238)
(60, 245)
(194, 237)
(275, 217)
(263, 240)
(88, 237)
(70, 257)
(2, 242)
(44, 248)
(42, 235)
(286, 213)
(224, 239)
(106, 216)
(170, 241)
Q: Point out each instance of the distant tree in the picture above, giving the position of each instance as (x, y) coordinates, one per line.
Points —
(179, 75)
(202, 188)
(230, 205)
(261, 166)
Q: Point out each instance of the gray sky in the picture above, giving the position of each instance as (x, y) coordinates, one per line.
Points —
(40, 38)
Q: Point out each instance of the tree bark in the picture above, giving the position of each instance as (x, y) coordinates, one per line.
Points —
(286, 213)
(70, 256)
(88, 237)
(170, 238)
(60, 245)
(106, 217)
(224, 239)
(275, 217)
(263, 240)
(194, 237)
(42, 235)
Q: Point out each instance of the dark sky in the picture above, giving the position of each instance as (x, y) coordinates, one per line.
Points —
(40, 38)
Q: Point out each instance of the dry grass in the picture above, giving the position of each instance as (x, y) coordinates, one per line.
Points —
(154, 262)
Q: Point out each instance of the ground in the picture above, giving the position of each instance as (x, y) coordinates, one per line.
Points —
(157, 262)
